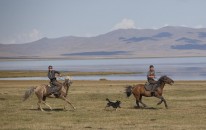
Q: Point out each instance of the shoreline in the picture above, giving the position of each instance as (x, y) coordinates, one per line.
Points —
(110, 81)
(41, 73)
(176, 81)
(7, 75)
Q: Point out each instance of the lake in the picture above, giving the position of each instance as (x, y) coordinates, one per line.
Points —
(185, 68)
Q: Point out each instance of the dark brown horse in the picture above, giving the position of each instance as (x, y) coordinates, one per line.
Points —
(43, 91)
(139, 90)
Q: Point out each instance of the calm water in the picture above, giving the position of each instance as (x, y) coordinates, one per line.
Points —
(191, 68)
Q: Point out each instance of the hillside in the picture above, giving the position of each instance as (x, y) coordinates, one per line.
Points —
(124, 43)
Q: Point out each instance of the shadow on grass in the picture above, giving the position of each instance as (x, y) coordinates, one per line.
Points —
(48, 110)
(2, 99)
(146, 108)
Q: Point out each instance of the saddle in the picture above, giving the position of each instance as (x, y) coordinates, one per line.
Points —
(53, 90)
(150, 87)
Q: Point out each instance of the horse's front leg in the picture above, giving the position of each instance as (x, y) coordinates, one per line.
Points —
(66, 100)
(162, 100)
(47, 105)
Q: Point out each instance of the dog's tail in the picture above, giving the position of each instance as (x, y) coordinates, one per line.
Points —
(128, 91)
(107, 99)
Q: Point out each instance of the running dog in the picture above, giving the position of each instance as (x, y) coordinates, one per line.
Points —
(114, 104)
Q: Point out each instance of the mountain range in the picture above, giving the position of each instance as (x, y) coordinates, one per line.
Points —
(170, 41)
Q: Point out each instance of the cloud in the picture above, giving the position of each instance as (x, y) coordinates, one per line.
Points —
(165, 25)
(29, 37)
(125, 24)
(33, 35)
(198, 26)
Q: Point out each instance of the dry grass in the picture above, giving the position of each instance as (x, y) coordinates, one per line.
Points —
(186, 100)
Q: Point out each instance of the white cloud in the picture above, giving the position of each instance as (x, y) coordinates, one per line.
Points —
(198, 26)
(183, 25)
(154, 27)
(125, 24)
(165, 25)
(33, 35)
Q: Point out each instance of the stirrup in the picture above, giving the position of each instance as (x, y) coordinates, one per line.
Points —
(152, 93)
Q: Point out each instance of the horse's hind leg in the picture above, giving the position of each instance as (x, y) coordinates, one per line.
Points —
(44, 102)
(137, 102)
(39, 105)
(39, 102)
(142, 102)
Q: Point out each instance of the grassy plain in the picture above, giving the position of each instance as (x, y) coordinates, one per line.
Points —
(186, 100)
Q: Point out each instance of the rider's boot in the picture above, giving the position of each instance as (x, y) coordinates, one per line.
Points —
(153, 90)
(56, 92)
(50, 90)
(54, 89)
(152, 93)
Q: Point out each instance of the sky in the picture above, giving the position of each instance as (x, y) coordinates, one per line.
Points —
(23, 21)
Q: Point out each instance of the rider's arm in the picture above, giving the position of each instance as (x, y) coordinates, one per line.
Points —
(57, 72)
(150, 76)
(49, 75)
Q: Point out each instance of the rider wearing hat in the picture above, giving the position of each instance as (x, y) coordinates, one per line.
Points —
(55, 85)
(151, 79)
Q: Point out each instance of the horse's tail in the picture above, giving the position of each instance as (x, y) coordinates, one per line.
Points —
(28, 93)
(128, 91)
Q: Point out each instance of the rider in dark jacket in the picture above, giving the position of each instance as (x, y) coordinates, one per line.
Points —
(55, 85)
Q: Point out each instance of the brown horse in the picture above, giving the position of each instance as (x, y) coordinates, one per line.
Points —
(139, 90)
(43, 91)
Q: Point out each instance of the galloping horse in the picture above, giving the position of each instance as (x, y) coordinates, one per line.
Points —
(139, 90)
(43, 91)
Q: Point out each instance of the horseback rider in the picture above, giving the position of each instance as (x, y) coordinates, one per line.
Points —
(151, 79)
(55, 85)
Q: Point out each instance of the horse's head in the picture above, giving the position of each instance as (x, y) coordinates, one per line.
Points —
(68, 80)
(166, 80)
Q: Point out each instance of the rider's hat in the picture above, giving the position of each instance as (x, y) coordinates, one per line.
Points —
(50, 67)
(151, 66)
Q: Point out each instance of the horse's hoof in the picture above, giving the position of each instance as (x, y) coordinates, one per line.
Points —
(137, 107)
(40, 109)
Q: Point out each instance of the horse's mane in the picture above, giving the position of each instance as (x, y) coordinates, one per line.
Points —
(160, 79)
